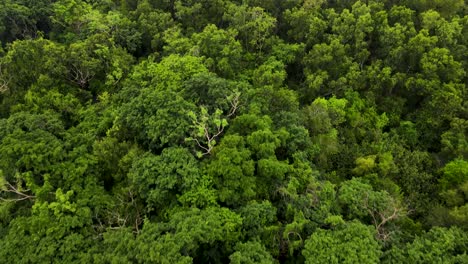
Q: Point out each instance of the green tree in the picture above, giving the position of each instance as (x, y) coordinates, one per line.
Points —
(157, 113)
(251, 252)
(437, 245)
(151, 24)
(232, 170)
(24, 19)
(254, 25)
(350, 243)
(222, 52)
(360, 201)
(191, 235)
(171, 179)
(56, 231)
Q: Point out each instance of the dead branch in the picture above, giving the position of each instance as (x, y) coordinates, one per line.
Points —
(381, 218)
(79, 76)
(209, 138)
(207, 146)
(3, 85)
(234, 105)
(15, 190)
(3, 81)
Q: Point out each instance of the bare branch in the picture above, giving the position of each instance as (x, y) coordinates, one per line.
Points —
(3, 81)
(208, 138)
(381, 218)
(80, 77)
(3, 86)
(15, 190)
(234, 105)
(201, 146)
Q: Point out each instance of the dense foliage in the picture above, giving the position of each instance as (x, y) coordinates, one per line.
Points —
(217, 131)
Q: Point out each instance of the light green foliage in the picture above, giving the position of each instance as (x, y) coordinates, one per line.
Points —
(382, 163)
(360, 199)
(31, 150)
(206, 129)
(48, 234)
(361, 116)
(438, 245)
(324, 62)
(175, 41)
(76, 18)
(263, 143)
(321, 119)
(306, 24)
(455, 173)
(349, 243)
(353, 27)
(118, 246)
(253, 24)
(439, 64)
(323, 115)
(232, 170)
(243, 131)
(171, 71)
(455, 139)
(270, 73)
(222, 52)
(364, 164)
(249, 253)
(454, 191)
(25, 61)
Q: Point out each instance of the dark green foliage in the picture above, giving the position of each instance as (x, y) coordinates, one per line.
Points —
(173, 176)
(229, 131)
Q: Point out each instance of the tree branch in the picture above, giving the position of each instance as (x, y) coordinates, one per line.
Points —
(234, 105)
(15, 190)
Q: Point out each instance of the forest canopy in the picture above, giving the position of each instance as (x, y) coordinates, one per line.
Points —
(233, 131)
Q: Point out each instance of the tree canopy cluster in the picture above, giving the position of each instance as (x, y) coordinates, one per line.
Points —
(233, 131)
